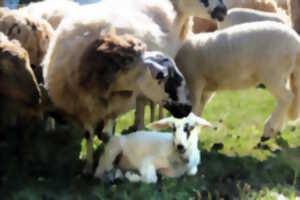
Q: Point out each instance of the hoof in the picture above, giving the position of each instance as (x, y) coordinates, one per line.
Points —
(262, 146)
(264, 139)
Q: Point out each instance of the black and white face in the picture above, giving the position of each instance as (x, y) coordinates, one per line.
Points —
(168, 86)
(185, 132)
(209, 9)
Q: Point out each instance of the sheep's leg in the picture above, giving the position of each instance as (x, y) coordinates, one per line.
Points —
(140, 113)
(161, 112)
(148, 172)
(152, 111)
(283, 98)
(88, 169)
(106, 162)
(197, 100)
(193, 171)
(110, 127)
(205, 98)
(294, 109)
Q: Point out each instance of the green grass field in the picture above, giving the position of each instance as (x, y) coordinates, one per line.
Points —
(234, 170)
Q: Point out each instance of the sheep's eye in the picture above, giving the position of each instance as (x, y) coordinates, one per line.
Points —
(173, 128)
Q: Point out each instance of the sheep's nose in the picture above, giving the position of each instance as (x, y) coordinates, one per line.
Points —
(219, 13)
(180, 148)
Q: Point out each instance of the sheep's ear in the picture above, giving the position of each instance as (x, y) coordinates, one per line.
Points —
(196, 120)
(163, 124)
(156, 64)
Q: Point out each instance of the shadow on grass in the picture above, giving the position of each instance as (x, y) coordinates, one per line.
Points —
(51, 170)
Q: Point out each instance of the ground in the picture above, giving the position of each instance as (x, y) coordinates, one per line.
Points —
(231, 167)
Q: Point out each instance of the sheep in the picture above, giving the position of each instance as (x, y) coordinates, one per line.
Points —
(243, 15)
(262, 5)
(157, 23)
(51, 10)
(148, 152)
(19, 92)
(294, 10)
(205, 25)
(33, 33)
(240, 57)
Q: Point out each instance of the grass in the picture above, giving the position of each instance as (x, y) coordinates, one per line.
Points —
(231, 167)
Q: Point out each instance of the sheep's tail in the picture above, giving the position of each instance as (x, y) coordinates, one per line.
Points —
(111, 155)
(294, 109)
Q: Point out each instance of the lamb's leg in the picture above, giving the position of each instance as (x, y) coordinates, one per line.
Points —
(148, 172)
(294, 109)
(106, 162)
(193, 171)
(283, 97)
(89, 136)
(140, 113)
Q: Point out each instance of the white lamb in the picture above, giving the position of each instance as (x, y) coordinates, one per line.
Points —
(148, 152)
(243, 56)
(244, 15)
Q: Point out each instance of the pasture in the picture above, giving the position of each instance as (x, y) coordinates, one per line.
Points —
(231, 168)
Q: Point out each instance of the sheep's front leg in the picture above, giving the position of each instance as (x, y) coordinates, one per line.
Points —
(193, 171)
(140, 113)
(148, 172)
(196, 95)
(110, 127)
(276, 121)
(88, 169)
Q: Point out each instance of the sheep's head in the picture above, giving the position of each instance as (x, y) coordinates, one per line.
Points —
(209, 9)
(17, 81)
(166, 85)
(185, 133)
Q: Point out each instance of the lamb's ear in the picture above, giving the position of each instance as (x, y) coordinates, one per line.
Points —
(163, 124)
(196, 120)
(155, 62)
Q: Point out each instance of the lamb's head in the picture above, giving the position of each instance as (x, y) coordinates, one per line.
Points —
(209, 9)
(167, 85)
(185, 132)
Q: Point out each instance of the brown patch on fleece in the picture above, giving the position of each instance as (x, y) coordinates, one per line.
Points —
(106, 56)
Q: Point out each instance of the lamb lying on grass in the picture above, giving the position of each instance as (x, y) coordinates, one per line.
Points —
(148, 152)
(243, 56)
(244, 15)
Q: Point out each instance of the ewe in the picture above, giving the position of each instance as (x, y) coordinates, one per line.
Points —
(243, 56)
(33, 33)
(72, 77)
(170, 154)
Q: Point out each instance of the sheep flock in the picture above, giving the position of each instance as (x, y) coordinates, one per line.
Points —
(64, 64)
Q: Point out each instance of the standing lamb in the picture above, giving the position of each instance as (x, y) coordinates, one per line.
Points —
(53, 11)
(33, 33)
(161, 24)
(243, 15)
(204, 25)
(243, 56)
(169, 154)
